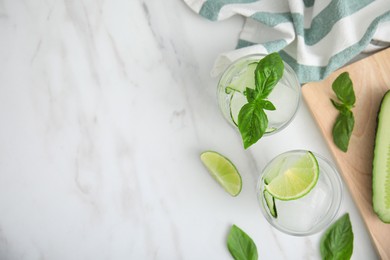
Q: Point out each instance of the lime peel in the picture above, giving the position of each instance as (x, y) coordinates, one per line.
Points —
(297, 181)
(223, 171)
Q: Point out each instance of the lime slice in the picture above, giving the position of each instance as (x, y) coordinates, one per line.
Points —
(223, 171)
(274, 171)
(296, 181)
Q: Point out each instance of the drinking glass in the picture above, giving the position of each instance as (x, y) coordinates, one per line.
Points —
(310, 213)
(240, 74)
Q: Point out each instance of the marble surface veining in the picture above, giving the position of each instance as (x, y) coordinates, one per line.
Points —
(105, 107)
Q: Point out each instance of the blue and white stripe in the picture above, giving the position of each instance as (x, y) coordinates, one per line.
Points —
(314, 37)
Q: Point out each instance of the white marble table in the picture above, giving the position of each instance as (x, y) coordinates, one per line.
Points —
(105, 107)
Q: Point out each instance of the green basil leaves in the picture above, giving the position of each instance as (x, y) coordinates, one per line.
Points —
(252, 123)
(342, 129)
(343, 88)
(240, 245)
(337, 241)
(345, 121)
(252, 120)
(268, 72)
(335, 244)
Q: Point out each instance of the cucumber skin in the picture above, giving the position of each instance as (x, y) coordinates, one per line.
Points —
(376, 207)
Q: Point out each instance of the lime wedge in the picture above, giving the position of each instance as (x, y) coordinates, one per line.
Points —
(274, 171)
(296, 181)
(223, 171)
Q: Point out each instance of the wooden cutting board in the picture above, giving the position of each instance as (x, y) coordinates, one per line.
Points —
(371, 79)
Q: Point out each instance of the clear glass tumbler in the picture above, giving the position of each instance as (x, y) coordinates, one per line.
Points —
(310, 213)
(240, 74)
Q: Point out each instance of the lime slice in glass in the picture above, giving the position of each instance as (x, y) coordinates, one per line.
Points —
(296, 181)
(274, 171)
(223, 171)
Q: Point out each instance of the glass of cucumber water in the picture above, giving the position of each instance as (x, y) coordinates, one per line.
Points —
(240, 75)
(299, 192)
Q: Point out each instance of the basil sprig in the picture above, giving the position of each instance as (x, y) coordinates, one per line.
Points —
(345, 121)
(252, 119)
(337, 241)
(240, 245)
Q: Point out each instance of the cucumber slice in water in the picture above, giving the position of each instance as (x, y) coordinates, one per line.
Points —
(381, 163)
(245, 79)
(270, 201)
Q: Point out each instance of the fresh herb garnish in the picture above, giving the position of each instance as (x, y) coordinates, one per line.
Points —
(240, 245)
(345, 121)
(337, 242)
(252, 119)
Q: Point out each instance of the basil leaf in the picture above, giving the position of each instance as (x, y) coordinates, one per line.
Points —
(252, 120)
(267, 105)
(337, 241)
(338, 106)
(240, 245)
(342, 130)
(252, 123)
(268, 72)
(250, 94)
(343, 88)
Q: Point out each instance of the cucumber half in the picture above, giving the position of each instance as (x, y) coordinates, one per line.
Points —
(381, 163)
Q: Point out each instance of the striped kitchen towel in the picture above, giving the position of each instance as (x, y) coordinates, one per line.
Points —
(313, 37)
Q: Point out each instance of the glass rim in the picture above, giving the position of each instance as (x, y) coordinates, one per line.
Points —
(336, 196)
